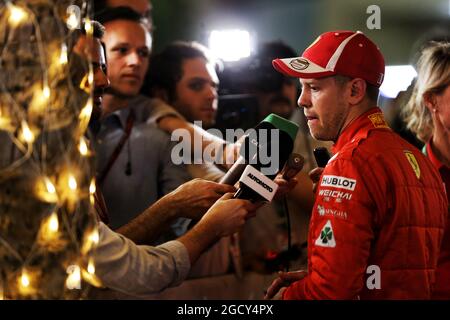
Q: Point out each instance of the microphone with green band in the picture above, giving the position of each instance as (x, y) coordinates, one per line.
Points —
(265, 149)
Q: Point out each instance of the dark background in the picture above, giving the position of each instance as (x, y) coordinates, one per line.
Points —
(299, 22)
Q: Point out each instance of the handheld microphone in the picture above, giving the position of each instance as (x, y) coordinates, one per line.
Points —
(322, 156)
(254, 142)
(234, 173)
(256, 182)
(294, 165)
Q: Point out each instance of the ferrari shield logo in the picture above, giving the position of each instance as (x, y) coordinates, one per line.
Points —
(413, 162)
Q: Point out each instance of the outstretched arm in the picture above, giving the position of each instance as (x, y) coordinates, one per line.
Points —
(142, 270)
(230, 150)
(191, 200)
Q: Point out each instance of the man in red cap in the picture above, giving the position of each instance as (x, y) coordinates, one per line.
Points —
(380, 209)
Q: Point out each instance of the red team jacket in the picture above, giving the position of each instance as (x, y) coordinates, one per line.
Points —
(378, 220)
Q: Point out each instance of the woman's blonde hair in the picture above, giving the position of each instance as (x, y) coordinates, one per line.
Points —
(433, 69)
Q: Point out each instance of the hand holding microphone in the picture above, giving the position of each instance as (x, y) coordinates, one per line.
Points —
(286, 180)
(293, 166)
(257, 180)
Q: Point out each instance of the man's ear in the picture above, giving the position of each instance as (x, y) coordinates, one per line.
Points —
(358, 89)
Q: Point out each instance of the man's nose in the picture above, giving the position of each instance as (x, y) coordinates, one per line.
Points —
(211, 91)
(134, 59)
(101, 80)
(304, 100)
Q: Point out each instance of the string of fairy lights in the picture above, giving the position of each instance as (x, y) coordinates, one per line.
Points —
(47, 225)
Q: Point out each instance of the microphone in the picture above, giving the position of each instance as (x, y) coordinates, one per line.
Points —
(256, 182)
(322, 156)
(256, 140)
(294, 165)
(263, 186)
(234, 173)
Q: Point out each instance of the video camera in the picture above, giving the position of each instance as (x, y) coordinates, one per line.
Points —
(240, 80)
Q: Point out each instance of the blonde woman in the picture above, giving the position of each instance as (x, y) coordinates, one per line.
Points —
(427, 114)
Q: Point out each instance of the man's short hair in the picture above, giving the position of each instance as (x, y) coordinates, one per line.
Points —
(118, 13)
(165, 68)
(372, 92)
(98, 32)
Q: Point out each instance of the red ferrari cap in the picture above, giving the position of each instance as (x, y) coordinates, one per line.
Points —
(345, 53)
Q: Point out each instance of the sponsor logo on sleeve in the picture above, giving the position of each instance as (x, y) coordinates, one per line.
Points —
(338, 182)
(323, 211)
(336, 194)
(326, 236)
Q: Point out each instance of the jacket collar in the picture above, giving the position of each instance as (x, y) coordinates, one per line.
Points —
(360, 127)
(434, 160)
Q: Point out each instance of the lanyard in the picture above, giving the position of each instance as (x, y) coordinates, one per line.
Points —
(100, 206)
(129, 126)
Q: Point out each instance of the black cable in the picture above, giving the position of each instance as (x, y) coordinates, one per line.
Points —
(288, 226)
(292, 167)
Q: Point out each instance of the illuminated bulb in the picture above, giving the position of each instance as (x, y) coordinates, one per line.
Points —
(87, 110)
(72, 21)
(53, 223)
(94, 236)
(92, 187)
(46, 191)
(63, 57)
(72, 183)
(24, 280)
(46, 92)
(2, 295)
(48, 233)
(25, 283)
(27, 135)
(39, 102)
(84, 117)
(91, 267)
(89, 274)
(73, 281)
(82, 147)
(88, 26)
(16, 14)
(91, 238)
(49, 185)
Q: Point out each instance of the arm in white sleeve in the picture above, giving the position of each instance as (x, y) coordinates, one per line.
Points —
(139, 270)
